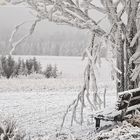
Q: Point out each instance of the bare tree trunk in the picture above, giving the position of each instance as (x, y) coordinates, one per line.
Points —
(125, 51)
(132, 30)
(120, 61)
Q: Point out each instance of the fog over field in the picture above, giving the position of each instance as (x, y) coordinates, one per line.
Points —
(48, 39)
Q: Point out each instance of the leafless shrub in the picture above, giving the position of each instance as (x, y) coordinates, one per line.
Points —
(135, 120)
(9, 130)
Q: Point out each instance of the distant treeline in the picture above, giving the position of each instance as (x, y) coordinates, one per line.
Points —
(59, 44)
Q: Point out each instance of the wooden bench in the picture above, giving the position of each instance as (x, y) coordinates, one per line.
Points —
(128, 102)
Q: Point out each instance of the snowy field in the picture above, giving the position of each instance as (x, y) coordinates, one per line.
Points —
(38, 105)
(39, 112)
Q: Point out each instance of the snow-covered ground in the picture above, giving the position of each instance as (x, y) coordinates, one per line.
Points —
(38, 105)
(36, 112)
(39, 112)
(40, 85)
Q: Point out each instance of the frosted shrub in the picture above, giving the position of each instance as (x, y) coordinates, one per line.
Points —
(32, 65)
(124, 132)
(135, 120)
(51, 71)
(9, 130)
(7, 66)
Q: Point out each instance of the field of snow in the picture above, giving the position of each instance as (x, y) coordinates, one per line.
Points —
(38, 105)
(39, 112)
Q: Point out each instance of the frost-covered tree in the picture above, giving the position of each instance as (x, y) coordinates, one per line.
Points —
(36, 65)
(8, 66)
(122, 39)
(22, 69)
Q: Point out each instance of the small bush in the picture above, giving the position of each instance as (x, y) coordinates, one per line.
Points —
(51, 71)
(32, 66)
(55, 72)
(9, 130)
(7, 66)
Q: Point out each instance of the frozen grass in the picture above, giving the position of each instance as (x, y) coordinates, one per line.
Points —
(44, 84)
(36, 112)
(61, 84)
(40, 112)
(124, 132)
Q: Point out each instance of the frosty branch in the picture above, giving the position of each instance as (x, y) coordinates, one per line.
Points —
(15, 44)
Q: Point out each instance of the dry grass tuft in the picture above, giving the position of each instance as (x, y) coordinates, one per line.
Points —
(135, 121)
(9, 131)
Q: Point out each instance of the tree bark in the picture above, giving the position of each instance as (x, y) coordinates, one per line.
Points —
(132, 30)
(120, 61)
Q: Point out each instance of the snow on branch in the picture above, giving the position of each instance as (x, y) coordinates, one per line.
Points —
(135, 39)
(15, 44)
(73, 13)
